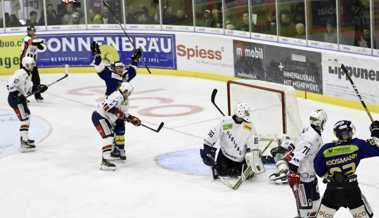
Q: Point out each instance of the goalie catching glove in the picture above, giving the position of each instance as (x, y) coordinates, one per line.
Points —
(133, 120)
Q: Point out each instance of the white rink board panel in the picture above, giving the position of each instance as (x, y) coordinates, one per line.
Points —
(201, 53)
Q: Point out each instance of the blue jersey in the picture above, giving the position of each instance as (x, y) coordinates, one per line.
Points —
(343, 157)
(111, 79)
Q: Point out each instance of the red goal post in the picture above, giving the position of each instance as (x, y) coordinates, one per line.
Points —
(274, 106)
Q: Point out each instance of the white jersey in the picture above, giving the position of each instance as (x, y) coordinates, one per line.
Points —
(21, 82)
(306, 148)
(234, 139)
(29, 49)
(113, 102)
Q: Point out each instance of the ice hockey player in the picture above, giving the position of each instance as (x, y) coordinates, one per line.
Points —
(116, 73)
(30, 48)
(235, 141)
(301, 177)
(113, 76)
(19, 87)
(285, 146)
(337, 162)
(113, 108)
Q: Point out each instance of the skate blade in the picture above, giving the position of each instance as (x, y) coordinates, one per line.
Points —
(27, 150)
(105, 168)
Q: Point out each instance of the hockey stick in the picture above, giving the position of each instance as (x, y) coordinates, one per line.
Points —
(155, 130)
(356, 92)
(213, 100)
(48, 85)
(106, 4)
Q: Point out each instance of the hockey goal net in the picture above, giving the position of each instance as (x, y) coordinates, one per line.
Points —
(274, 106)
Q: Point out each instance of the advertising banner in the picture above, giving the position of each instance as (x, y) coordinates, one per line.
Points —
(205, 54)
(363, 71)
(158, 50)
(298, 68)
(10, 50)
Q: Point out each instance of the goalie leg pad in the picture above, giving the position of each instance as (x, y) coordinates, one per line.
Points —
(325, 212)
(360, 212)
(253, 159)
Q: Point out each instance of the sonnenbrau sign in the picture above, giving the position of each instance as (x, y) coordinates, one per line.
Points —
(158, 50)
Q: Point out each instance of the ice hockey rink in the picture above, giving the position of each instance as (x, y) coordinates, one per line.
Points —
(162, 177)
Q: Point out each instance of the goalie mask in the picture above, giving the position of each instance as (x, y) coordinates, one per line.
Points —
(318, 118)
(242, 111)
(118, 68)
(344, 130)
(28, 63)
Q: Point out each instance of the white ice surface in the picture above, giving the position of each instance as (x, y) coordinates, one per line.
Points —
(62, 180)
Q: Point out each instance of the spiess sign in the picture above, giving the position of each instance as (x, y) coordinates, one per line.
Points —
(74, 49)
(199, 53)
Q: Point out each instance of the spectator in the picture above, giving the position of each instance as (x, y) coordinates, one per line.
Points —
(365, 39)
(75, 18)
(182, 18)
(97, 19)
(245, 22)
(206, 20)
(12, 20)
(216, 18)
(300, 30)
(169, 17)
(32, 21)
(286, 27)
(330, 35)
(52, 18)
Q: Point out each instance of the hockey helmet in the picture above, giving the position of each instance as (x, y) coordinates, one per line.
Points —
(118, 67)
(126, 88)
(242, 110)
(318, 118)
(31, 30)
(28, 63)
(344, 130)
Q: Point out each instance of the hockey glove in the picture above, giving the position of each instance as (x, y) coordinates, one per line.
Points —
(134, 120)
(293, 178)
(38, 43)
(95, 49)
(120, 114)
(208, 154)
(42, 88)
(374, 129)
(137, 55)
(21, 98)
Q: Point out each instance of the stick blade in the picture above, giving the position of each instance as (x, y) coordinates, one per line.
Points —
(213, 96)
(160, 126)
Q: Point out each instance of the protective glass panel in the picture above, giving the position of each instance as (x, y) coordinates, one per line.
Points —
(322, 21)
(208, 13)
(376, 24)
(237, 15)
(142, 12)
(292, 19)
(355, 23)
(23, 12)
(177, 12)
(98, 13)
(263, 16)
(58, 13)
